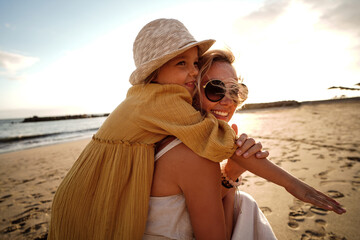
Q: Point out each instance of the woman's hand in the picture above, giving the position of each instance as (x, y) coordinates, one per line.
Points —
(248, 146)
(308, 194)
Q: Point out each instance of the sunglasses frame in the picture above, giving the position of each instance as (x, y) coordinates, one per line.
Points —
(220, 96)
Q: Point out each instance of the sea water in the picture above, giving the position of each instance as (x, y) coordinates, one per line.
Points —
(16, 135)
(340, 122)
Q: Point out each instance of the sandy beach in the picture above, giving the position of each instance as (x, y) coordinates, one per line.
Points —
(318, 143)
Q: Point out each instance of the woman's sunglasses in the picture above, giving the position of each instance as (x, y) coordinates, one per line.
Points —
(215, 90)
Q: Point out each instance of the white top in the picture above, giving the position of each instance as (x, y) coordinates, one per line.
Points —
(168, 216)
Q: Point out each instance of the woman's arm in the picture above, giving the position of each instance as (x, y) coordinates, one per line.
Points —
(181, 170)
(198, 179)
(268, 170)
(247, 147)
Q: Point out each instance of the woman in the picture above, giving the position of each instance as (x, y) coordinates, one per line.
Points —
(187, 197)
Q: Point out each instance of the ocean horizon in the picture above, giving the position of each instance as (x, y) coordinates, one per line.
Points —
(14, 114)
(17, 135)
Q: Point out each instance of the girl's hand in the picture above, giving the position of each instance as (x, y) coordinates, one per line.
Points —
(248, 146)
(308, 194)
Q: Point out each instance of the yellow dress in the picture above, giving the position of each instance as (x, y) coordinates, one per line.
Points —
(105, 195)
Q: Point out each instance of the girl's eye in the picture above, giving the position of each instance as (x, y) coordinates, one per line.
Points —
(196, 64)
(181, 63)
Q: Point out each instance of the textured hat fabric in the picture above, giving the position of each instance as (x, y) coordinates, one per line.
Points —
(158, 42)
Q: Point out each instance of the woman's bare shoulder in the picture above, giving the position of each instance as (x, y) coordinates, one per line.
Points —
(181, 155)
(184, 166)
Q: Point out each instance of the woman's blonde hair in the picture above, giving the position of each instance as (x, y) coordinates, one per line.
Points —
(205, 63)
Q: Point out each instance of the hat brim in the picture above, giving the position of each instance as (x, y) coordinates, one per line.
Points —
(142, 72)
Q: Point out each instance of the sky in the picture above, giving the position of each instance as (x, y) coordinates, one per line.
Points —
(75, 56)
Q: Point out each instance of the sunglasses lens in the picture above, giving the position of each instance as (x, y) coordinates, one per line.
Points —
(234, 92)
(215, 90)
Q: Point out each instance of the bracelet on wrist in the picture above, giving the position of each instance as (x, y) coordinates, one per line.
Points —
(227, 182)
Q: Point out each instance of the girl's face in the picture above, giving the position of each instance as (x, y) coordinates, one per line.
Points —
(225, 108)
(182, 70)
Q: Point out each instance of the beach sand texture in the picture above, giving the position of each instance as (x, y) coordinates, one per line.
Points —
(318, 143)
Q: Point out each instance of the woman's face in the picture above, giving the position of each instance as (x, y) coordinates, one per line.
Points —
(225, 108)
(182, 70)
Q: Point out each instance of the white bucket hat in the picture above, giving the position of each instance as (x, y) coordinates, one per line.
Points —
(158, 42)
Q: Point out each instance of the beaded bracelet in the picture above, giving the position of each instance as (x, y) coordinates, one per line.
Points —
(227, 182)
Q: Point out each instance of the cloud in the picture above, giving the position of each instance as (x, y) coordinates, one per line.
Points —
(334, 15)
(12, 63)
(338, 15)
(262, 17)
(269, 12)
(341, 16)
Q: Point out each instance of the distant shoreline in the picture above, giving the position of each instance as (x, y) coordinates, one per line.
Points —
(64, 117)
(249, 106)
(293, 103)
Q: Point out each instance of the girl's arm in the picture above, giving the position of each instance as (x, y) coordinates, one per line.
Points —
(268, 170)
(167, 110)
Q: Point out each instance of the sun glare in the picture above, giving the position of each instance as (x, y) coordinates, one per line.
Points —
(292, 58)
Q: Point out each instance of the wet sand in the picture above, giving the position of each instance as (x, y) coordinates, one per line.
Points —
(319, 143)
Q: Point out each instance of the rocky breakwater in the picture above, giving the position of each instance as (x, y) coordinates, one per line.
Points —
(65, 117)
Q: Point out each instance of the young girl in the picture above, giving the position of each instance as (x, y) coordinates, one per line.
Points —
(105, 194)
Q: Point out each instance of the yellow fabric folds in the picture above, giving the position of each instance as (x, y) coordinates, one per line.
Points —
(105, 194)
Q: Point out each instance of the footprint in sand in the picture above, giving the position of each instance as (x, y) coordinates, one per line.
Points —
(9, 229)
(320, 223)
(41, 182)
(293, 224)
(266, 210)
(3, 198)
(28, 180)
(22, 219)
(351, 162)
(298, 215)
(320, 232)
(34, 228)
(28, 210)
(312, 234)
(319, 155)
(318, 211)
(294, 160)
(347, 165)
(335, 194)
(324, 174)
(355, 183)
(259, 183)
(37, 195)
(356, 159)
